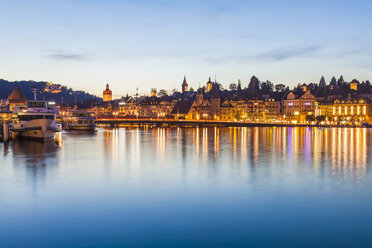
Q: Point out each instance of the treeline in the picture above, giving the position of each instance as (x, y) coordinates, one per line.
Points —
(67, 95)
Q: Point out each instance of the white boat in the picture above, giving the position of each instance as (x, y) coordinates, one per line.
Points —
(36, 121)
(79, 120)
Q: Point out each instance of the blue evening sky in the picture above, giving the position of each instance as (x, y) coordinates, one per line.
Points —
(87, 43)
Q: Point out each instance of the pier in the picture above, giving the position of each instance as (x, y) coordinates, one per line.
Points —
(4, 132)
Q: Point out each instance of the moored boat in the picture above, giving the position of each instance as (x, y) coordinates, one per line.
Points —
(36, 121)
(79, 120)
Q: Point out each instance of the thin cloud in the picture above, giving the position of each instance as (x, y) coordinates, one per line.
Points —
(64, 55)
(289, 52)
(272, 55)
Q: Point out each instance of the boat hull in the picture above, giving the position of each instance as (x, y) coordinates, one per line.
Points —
(91, 127)
(40, 129)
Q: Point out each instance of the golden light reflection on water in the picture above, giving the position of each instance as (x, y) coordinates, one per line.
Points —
(341, 152)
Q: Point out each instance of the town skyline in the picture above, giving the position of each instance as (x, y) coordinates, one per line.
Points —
(134, 43)
(193, 87)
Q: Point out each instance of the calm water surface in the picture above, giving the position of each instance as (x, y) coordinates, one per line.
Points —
(196, 187)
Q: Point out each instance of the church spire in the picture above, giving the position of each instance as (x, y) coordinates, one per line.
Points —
(185, 86)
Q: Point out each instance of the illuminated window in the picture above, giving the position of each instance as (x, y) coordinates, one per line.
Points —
(345, 110)
(358, 110)
(339, 110)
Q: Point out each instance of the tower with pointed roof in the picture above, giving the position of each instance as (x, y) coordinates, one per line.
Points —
(185, 86)
(215, 102)
(17, 99)
(107, 94)
(209, 85)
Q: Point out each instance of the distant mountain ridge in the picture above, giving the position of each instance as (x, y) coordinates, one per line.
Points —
(45, 91)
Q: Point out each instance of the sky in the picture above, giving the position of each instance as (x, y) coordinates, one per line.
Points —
(146, 44)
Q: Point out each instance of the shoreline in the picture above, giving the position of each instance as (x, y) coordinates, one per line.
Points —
(187, 123)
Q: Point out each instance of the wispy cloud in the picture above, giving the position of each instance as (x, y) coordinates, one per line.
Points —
(65, 55)
(275, 55)
(289, 52)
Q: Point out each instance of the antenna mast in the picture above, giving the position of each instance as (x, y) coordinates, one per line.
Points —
(34, 90)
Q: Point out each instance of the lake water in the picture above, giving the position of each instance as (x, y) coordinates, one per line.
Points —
(190, 187)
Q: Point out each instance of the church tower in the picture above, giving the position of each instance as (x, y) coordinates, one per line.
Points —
(107, 94)
(185, 86)
(199, 97)
(209, 85)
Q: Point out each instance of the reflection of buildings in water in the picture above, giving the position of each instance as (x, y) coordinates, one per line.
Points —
(344, 149)
(184, 142)
(216, 142)
(115, 141)
(243, 141)
(6, 148)
(160, 142)
(79, 133)
(37, 156)
(108, 142)
(205, 143)
(34, 152)
(197, 143)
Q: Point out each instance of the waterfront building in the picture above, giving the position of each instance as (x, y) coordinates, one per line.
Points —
(255, 110)
(323, 108)
(5, 116)
(184, 109)
(107, 94)
(272, 109)
(208, 104)
(351, 110)
(227, 111)
(17, 99)
(148, 107)
(240, 109)
(128, 107)
(215, 103)
(4, 104)
(297, 107)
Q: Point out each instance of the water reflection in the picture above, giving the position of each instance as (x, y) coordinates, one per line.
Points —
(34, 152)
(342, 152)
(239, 183)
(36, 158)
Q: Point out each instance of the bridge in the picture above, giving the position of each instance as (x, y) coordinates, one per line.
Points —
(115, 122)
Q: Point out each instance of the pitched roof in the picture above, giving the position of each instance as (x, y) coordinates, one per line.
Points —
(17, 96)
(182, 107)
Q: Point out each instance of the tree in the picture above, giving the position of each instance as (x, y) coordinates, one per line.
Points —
(237, 115)
(322, 82)
(310, 118)
(220, 87)
(321, 118)
(341, 80)
(162, 93)
(233, 86)
(174, 90)
(239, 88)
(333, 81)
(267, 87)
(280, 87)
